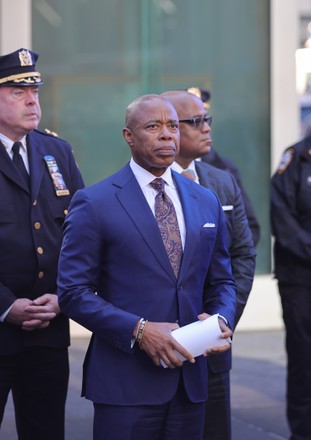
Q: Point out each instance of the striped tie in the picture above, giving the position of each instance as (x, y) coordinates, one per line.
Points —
(190, 174)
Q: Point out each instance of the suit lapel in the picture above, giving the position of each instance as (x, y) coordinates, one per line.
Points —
(189, 203)
(36, 164)
(204, 177)
(133, 201)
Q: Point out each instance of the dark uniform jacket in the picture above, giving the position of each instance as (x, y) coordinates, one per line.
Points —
(240, 243)
(291, 215)
(213, 158)
(30, 236)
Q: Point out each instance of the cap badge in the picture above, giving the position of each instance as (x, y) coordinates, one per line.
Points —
(25, 58)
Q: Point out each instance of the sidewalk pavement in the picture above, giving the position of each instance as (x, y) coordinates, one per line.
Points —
(257, 390)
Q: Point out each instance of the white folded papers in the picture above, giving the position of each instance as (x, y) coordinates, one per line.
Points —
(198, 336)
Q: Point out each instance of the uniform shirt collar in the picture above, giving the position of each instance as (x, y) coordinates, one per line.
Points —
(8, 143)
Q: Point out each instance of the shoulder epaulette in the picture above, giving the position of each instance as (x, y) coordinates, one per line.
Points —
(52, 133)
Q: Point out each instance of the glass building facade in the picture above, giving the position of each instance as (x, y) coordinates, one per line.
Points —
(96, 56)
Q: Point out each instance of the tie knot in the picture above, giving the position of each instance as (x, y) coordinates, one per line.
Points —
(158, 184)
(16, 146)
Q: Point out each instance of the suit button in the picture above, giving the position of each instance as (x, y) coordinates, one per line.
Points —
(65, 211)
(179, 288)
(37, 225)
(34, 203)
(40, 275)
(40, 250)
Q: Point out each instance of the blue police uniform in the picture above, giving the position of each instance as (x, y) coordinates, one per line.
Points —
(33, 364)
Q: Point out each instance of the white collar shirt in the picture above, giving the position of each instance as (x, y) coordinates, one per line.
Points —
(8, 144)
(144, 178)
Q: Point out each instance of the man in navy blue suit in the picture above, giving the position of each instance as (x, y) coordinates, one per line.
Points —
(116, 279)
(38, 176)
(195, 141)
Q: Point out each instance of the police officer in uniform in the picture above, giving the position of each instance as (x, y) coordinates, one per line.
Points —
(38, 176)
(291, 227)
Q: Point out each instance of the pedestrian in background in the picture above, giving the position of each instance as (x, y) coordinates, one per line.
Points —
(38, 176)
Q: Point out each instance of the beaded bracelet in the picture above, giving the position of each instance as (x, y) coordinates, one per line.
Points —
(140, 331)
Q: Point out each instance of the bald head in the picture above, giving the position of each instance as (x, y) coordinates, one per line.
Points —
(195, 136)
(135, 108)
(182, 101)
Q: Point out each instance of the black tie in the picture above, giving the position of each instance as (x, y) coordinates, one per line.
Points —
(19, 163)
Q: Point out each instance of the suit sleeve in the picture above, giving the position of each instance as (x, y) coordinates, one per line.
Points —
(79, 277)
(242, 252)
(249, 211)
(220, 289)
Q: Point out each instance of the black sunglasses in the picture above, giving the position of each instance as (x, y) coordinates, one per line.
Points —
(198, 122)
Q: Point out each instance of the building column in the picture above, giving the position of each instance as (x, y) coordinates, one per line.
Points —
(284, 102)
(15, 25)
(263, 310)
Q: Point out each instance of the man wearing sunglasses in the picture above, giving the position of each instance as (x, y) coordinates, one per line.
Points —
(214, 158)
(195, 141)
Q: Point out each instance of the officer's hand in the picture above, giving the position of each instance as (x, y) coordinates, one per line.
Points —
(17, 315)
(42, 310)
(47, 303)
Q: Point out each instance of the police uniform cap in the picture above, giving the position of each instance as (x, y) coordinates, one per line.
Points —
(19, 69)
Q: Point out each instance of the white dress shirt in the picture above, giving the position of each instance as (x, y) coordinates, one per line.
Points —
(179, 169)
(8, 144)
(144, 178)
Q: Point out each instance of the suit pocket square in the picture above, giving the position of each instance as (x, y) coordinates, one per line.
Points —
(209, 225)
(227, 207)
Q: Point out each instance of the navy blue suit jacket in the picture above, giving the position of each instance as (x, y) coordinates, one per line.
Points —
(112, 247)
(30, 236)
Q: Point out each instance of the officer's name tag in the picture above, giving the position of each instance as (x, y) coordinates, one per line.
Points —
(57, 179)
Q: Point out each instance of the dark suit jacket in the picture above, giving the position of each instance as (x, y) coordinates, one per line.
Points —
(240, 243)
(112, 246)
(214, 158)
(30, 236)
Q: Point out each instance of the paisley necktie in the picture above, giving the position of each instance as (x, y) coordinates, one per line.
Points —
(167, 220)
